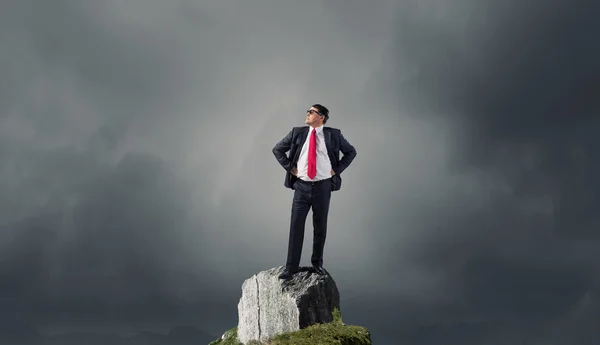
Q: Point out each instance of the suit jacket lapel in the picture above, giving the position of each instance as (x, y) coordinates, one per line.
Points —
(327, 139)
(302, 137)
(332, 155)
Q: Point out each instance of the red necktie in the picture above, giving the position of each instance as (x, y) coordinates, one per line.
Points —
(312, 155)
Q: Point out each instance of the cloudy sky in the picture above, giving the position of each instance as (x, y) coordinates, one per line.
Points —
(138, 189)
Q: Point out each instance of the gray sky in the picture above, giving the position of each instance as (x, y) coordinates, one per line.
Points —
(138, 189)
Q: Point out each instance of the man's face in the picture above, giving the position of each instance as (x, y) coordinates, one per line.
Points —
(313, 118)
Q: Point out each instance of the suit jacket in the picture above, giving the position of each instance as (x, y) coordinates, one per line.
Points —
(335, 143)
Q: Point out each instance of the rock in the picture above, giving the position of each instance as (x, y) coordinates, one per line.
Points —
(270, 306)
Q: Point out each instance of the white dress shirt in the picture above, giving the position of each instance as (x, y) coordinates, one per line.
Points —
(323, 162)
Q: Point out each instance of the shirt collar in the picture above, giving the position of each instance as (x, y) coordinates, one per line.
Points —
(319, 129)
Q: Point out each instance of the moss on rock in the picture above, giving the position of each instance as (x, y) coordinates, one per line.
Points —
(332, 333)
(228, 338)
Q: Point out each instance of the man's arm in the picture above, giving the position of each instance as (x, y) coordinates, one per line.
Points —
(281, 148)
(349, 154)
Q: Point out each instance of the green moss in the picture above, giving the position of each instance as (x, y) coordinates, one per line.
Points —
(325, 334)
(333, 333)
(230, 338)
(337, 316)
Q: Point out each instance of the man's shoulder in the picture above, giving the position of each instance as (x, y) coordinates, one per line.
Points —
(332, 130)
(297, 130)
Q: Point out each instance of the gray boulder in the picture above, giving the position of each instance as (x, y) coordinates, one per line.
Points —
(270, 306)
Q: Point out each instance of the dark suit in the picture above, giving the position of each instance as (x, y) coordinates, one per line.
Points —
(311, 194)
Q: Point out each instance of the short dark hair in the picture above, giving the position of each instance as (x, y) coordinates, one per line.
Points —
(323, 111)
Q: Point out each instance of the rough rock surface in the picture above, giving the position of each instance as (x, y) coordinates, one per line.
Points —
(270, 306)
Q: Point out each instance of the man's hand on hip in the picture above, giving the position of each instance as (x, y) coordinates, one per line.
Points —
(332, 172)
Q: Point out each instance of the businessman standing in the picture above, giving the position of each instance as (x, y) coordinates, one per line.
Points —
(313, 171)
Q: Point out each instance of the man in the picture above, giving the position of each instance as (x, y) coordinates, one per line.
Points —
(313, 172)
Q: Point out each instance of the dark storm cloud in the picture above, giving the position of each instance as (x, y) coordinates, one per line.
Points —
(469, 214)
(101, 260)
(120, 133)
(511, 233)
(87, 221)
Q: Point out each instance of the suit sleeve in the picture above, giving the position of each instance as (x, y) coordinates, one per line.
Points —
(281, 148)
(349, 153)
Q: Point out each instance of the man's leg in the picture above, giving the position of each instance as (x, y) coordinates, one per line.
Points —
(320, 198)
(300, 208)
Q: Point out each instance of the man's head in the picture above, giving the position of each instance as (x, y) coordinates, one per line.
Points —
(317, 115)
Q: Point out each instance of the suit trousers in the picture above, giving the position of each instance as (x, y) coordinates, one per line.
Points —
(306, 195)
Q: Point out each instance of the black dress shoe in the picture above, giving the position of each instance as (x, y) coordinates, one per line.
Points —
(320, 270)
(287, 274)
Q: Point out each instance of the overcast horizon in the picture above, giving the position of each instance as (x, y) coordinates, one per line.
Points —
(138, 188)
